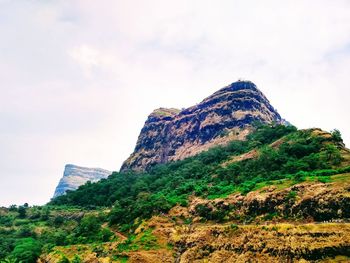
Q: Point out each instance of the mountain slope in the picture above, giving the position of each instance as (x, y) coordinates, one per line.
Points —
(280, 153)
(286, 202)
(75, 176)
(266, 197)
(171, 134)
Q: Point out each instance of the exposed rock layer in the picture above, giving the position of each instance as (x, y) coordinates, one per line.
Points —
(171, 134)
(248, 233)
(75, 176)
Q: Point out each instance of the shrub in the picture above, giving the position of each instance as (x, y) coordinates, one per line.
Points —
(26, 250)
(13, 208)
(105, 235)
(58, 220)
(64, 259)
(22, 212)
(26, 231)
(234, 227)
(300, 176)
(291, 195)
(336, 136)
(76, 259)
(270, 216)
(203, 211)
(324, 179)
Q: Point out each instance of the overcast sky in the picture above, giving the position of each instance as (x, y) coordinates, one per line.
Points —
(78, 78)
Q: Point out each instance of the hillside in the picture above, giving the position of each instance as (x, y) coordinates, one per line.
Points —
(281, 195)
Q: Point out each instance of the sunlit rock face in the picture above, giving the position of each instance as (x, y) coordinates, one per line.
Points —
(228, 114)
(75, 176)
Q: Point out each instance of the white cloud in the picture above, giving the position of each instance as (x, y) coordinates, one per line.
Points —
(90, 58)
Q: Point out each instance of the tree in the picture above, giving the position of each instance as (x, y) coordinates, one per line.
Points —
(22, 212)
(76, 259)
(26, 250)
(332, 154)
(64, 259)
(336, 135)
(25, 231)
(105, 235)
(13, 208)
(88, 228)
(117, 215)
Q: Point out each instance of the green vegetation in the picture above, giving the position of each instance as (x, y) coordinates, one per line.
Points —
(211, 174)
(234, 226)
(146, 241)
(26, 250)
(23, 239)
(217, 213)
(124, 199)
(292, 195)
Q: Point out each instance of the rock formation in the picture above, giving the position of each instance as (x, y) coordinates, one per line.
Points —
(171, 134)
(75, 176)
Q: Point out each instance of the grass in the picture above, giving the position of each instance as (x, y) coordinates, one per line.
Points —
(148, 240)
(121, 259)
(224, 195)
(145, 241)
(286, 183)
(341, 178)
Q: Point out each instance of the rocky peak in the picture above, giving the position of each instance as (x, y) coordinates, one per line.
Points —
(171, 134)
(75, 176)
(162, 114)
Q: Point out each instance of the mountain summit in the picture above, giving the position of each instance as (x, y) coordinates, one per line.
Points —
(172, 134)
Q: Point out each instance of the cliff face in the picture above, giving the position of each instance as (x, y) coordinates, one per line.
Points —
(75, 176)
(171, 134)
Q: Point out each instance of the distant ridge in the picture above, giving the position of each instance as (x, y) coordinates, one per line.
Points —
(75, 176)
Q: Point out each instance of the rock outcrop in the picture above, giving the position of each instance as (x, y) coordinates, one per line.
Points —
(171, 134)
(75, 176)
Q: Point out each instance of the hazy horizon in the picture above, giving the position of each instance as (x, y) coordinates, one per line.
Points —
(79, 78)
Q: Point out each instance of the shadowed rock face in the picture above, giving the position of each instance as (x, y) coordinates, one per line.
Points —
(75, 176)
(171, 134)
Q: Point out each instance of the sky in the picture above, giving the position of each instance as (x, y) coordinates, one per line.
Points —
(79, 78)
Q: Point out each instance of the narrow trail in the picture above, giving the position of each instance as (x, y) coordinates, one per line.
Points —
(118, 234)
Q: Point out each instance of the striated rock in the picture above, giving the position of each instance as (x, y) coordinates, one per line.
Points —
(269, 243)
(75, 176)
(314, 201)
(171, 134)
